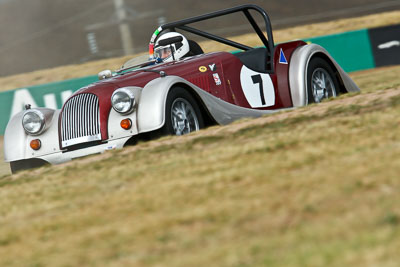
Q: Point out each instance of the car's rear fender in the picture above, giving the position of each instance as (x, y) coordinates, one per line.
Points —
(298, 72)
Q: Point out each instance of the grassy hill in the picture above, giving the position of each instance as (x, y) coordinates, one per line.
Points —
(315, 186)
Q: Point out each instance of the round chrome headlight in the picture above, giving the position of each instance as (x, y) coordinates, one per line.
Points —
(33, 122)
(123, 101)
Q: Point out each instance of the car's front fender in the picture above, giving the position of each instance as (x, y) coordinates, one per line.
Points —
(151, 107)
(16, 140)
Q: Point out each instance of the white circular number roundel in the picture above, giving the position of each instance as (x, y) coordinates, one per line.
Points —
(257, 88)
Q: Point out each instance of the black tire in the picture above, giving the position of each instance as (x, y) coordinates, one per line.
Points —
(317, 88)
(180, 101)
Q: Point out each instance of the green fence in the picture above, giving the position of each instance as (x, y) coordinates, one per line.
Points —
(51, 95)
(352, 50)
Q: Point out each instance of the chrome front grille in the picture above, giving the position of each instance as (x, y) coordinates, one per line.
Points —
(80, 122)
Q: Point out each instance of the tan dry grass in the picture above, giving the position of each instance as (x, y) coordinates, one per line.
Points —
(4, 167)
(301, 188)
(60, 73)
(92, 68)
(316, 186)
(377, 79)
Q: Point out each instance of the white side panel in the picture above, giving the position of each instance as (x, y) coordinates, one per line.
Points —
(152, 105)
(257, 88)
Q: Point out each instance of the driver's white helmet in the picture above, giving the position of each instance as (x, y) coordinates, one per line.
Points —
(179, 49)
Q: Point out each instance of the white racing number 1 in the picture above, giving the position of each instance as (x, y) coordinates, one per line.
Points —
(257, 88)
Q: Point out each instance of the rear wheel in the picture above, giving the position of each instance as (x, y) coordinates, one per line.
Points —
(182, 113)
(321, 81)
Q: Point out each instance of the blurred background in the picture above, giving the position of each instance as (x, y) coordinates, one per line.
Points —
(39, 34)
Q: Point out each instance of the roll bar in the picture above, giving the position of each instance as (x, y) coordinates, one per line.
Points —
(183, 25)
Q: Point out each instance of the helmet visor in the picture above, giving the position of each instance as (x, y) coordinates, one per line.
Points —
(162, 52)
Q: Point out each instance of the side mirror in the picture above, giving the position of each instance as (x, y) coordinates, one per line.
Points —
(105, 74)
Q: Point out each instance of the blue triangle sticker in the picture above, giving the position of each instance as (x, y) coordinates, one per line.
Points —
(282, 58)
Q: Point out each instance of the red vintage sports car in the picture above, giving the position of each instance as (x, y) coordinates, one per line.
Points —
(178, 90)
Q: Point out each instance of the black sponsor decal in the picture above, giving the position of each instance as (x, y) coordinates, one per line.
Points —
(385, 42)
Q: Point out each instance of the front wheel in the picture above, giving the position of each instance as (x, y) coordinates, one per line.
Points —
(182, 113)
(321, 81)
(26, 164)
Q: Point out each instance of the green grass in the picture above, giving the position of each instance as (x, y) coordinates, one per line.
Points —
(316, 186)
